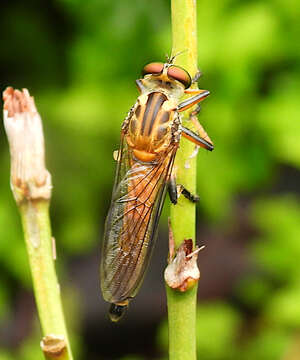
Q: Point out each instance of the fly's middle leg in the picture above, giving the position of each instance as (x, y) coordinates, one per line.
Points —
(187, 194)
(176, 190)
(172, 189)
(203, 139)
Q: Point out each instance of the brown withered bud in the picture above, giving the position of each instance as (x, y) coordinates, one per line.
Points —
(182, 272)
(54, 347)
(29, 177)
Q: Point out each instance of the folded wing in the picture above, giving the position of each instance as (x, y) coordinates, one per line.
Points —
(131, 224)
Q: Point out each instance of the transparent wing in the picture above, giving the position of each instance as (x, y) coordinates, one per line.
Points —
(131, 224)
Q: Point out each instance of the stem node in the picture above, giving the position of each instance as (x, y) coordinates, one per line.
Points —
(183, 273)
(54, 347)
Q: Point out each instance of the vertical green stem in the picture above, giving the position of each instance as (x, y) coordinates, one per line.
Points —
(37, 232)
(182, 306)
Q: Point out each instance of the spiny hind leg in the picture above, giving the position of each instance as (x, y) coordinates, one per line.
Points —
(200, 130)
(175, 190)
(200, 138)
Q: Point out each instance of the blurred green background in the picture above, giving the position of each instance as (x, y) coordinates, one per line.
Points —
(80, 59)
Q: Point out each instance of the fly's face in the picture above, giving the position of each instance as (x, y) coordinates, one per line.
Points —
(167, 78)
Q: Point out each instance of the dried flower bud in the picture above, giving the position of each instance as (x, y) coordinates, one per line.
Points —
(54, 347)
(29, 177)
(182, 272)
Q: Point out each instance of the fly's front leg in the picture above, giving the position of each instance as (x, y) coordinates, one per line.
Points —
(141, 87)
(176, 190)
(200, 139)
(196, 77)
(199, 95)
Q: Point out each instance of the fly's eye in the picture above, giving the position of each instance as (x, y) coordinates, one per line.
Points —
(154, 68)
(179, 74)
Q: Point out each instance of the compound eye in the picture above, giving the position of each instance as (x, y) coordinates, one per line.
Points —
(179, 74)
(154, 68)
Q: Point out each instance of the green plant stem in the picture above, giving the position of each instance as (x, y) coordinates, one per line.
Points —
(37, 232)
(182, 306)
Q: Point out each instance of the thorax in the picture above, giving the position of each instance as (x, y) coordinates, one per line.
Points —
(151, 125)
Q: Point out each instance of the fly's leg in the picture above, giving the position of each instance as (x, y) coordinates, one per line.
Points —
(196, 139)
(196, 77)
(140, 85)
(200, 130)
(199, 95)
(187, 194)
(176, 190)
(172, 189)
(202, 139)
(196, 111)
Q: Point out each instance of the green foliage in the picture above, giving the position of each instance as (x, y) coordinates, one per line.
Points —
(253, 291)
(278, 249)
(29, 350)
(283, 309)
(269, 344)
(217, 331)
(218, 325)
(5, 355)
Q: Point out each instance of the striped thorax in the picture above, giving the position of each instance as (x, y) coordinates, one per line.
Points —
(155, 124)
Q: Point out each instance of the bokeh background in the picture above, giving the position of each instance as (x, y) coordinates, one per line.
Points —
(80, 59)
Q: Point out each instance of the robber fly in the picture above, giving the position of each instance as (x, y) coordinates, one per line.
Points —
(150, 137)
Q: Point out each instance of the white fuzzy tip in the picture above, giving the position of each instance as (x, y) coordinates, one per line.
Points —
(29, 177)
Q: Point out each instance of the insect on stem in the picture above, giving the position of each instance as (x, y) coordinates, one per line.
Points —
(150, 139)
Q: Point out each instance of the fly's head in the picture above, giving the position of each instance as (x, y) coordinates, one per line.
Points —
(165, 77)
